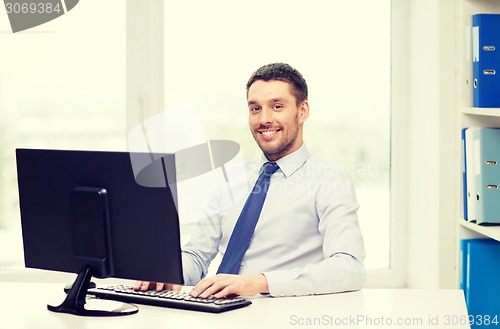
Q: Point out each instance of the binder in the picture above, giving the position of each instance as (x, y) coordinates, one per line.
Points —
(486, 148)
(464, 244)
(482, 284)
(470, 183)
(486, 59)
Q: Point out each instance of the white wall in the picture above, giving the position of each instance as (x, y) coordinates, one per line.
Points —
(432, 133)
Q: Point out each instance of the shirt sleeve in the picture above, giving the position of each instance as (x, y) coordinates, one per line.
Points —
(203, 245)
(199, 252)
(342, 268)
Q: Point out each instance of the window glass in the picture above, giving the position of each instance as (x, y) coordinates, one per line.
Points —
(62, 85)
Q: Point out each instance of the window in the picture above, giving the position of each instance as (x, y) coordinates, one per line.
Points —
(62, 86)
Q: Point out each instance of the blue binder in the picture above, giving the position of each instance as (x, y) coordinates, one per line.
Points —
(486, 59)
(464, 244)
(482, 284)
(487, 174)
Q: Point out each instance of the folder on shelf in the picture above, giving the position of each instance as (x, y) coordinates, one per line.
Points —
(470, 181)
(486, 59)
(464, 243)
(486, 148)
(481, 282)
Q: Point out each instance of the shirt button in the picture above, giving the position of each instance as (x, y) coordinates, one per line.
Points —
(242, 263)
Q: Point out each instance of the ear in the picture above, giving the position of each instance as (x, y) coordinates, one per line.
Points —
(303, 111)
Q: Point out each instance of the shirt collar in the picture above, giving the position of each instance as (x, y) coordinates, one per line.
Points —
(291, 162)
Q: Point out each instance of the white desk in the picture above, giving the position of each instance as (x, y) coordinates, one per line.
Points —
(24, 305)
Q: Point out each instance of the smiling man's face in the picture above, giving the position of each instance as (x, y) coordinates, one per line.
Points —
(275, 118)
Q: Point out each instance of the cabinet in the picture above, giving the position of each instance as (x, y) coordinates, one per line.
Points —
(468, 115)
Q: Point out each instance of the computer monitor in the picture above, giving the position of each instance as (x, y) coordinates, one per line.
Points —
(92, 213)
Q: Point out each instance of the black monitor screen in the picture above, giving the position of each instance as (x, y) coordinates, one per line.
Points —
(92, 210)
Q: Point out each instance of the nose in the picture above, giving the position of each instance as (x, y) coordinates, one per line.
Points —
(266, 116)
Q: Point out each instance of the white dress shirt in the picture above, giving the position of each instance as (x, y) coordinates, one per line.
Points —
(307, 240)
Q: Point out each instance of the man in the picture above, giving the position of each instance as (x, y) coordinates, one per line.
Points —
(307, 239)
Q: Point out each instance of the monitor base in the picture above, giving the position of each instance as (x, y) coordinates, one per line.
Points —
(77, 303)
(96, 307)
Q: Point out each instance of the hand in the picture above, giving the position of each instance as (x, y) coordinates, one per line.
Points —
(158, 286)
(223, 285)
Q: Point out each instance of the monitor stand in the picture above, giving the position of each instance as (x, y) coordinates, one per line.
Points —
(77, 303)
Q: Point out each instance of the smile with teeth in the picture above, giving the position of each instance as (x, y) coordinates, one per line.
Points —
(268, 133)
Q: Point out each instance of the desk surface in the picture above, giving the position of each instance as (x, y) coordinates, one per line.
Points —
(24, 305)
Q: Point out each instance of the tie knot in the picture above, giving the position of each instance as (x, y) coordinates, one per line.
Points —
(270, 167)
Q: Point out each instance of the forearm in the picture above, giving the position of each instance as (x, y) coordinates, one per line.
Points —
(192, 268)
(338, 273)
(198, 253)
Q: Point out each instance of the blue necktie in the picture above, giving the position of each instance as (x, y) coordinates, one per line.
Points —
(245, 226)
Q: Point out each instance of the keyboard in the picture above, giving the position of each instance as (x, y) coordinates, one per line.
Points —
(169, 298)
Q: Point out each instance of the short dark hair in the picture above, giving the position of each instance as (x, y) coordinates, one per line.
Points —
(282, 72)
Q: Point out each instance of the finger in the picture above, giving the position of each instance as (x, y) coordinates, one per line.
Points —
(160, 286)
(228, 290)
(138, 285)
(215, 288)
(174, 287)
(146, 285)
(201, 286)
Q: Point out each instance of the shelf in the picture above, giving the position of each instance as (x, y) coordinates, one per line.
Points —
(492, 232)
(482, 111)
(480, 117)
